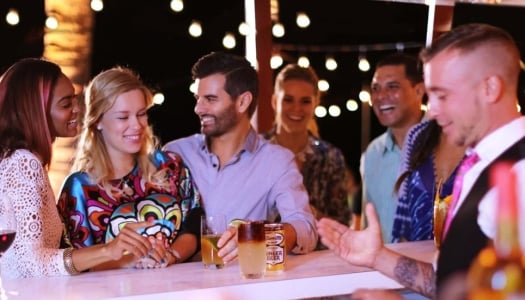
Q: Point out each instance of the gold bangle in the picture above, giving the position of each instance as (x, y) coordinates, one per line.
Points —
(68, 262)
(175, 254)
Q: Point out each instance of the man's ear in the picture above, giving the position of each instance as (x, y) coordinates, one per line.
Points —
(420, 89)
(245, 99)
(493, 87)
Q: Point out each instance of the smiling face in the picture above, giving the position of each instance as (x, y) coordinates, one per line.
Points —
(63, 109)
(395, 99)
(124, 124)
(457, 108)
(217, 111)
(294, 105)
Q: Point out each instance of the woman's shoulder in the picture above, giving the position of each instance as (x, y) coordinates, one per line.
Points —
(165, 156)
(24, 160)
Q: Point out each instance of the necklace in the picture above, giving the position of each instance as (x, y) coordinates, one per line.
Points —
(125, 187)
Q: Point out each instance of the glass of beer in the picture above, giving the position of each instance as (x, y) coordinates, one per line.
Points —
(212, 227)
(252, 249)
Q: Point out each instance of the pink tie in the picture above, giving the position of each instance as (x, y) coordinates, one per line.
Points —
(466, 164)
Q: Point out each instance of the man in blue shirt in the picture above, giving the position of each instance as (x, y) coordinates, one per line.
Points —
(397, 91)
(238, 173)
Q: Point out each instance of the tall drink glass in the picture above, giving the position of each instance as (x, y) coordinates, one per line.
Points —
(252, 249)
(212, 227)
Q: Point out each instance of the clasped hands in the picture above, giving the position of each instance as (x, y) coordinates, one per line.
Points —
(147, 251)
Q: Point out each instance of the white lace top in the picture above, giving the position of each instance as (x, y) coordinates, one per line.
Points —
(35, 251)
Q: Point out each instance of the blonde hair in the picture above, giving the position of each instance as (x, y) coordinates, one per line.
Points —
(100, 95)
(296, 72)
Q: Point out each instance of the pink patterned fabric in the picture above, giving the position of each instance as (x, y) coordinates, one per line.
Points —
(466, 164)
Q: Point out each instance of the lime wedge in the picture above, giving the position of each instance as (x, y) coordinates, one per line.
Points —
(236, 222)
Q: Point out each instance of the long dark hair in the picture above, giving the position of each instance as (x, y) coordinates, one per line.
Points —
(25, 92)
(420, 143)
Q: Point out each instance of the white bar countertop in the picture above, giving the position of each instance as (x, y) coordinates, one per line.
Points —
(320, 273)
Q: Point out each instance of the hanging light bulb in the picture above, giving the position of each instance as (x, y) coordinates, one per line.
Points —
(96, 5)
(244, 28)
(330, 63)
(323, 85)
(12, 17)
(228, 41)
(303, 61)
(320, 111)
(364, 96)
(158, 98)
(278, 30)
(177, 5)
(334, 110)
(351, 105)
(276, 61)
(302, 20)
(195, 29)
(51, 22)
(363, 65)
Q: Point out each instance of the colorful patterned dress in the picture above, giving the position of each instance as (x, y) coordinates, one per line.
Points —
(413, 220)
(92, 216)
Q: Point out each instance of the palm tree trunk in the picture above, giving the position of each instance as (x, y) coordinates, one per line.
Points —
(70, 46)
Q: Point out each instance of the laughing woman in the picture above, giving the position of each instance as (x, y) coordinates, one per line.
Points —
(37, 105)
(121, 177)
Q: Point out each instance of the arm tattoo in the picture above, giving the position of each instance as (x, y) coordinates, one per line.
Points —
(408, 270)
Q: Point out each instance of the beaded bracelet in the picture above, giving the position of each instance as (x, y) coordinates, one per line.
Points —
(68, 262)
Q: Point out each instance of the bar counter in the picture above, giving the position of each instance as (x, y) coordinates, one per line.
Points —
(317, 274)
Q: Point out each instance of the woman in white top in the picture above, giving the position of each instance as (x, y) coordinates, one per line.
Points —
(38, 104)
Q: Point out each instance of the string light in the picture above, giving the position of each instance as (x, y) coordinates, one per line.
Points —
(323, 85)
(96, 5)
(302, 20)
(51, 22)
(278, 30)
(177, 5)
(364, 96)
(363, 64)
(276, 61)
(229, 41)
(352, 105)
(244, 28)
(12, 18)
(303, 61)
(195, 29)
(320, 111)
(158, 98)
(330, 63)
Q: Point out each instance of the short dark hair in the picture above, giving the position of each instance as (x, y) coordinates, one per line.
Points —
(410, 62)
(241, 76)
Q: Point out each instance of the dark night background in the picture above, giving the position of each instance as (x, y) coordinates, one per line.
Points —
(153, 40)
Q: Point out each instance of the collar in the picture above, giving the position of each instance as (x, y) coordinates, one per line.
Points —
(251, 143)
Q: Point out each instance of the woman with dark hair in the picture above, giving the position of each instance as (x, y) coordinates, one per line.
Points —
(37, 105)
(428, 170)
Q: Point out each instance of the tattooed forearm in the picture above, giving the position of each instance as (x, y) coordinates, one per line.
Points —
(406, 271)
(415, 275)
(429, 280)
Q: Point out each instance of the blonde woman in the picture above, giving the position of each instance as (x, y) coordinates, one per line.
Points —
(322, 164)
(121, 177)
(37, 105)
